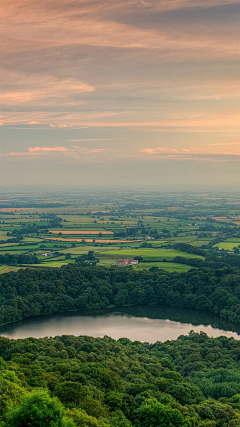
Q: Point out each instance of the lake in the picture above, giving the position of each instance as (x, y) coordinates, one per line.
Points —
(149, 324)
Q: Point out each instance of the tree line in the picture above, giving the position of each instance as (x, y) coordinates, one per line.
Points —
(33, 292)
(15, 259)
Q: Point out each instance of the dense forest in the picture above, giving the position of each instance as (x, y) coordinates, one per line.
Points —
(9, 259)
(33, 292)
(99, 382)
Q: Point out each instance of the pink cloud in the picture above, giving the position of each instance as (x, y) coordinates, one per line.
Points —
(44, 89)
(97, 150)
(13, 154)
(34, 151)
(166, 150)
(46, 149)
(73, 152)
(193, 153)
(148, 150)
(206, 157)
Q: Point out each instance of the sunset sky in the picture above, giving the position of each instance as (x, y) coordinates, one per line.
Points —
(120, 92)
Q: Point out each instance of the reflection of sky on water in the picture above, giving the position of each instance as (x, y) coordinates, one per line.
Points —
(113, 325)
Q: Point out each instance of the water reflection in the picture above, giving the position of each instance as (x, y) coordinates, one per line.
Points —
(136, 323)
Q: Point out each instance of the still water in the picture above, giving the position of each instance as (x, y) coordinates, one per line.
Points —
(136, 323)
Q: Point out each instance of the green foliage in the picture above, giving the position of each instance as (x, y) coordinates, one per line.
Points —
(118, 419)
(81, 418)
(185, 393)
(101, 382)
(38, 409)
(154, 414)
(219, 383)
(234, 401)
(222, 414)
(94, 408)
(70, 393)
(10, 394)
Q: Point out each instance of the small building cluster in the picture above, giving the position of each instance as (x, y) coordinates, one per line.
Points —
(126, 262)
(47, 254)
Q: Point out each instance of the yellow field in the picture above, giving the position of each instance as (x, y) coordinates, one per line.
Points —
(3, 235)
(14, 209)
(9, 268)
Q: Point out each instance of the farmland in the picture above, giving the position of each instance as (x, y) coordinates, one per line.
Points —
(161, 230)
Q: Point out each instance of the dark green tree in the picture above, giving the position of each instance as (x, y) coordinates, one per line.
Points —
(154, 414)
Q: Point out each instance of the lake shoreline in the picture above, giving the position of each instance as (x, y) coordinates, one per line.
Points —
(141, 321)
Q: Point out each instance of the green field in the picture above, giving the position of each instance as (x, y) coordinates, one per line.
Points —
(79, 250)
(228, 246)
(148, 254)
(50, 264)
(169, 266)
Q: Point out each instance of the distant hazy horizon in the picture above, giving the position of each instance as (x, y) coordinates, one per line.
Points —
(220, 190)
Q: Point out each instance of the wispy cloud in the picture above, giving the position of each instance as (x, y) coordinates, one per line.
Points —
(94, 139)
(148, 150)
(190, 153)
(203, 157)
(34, 151)
(84, 120)
(32, 88)
(76, 154)
(163, 150)
(46, 149)
(225, 144)
(73, 151)
(99, 24)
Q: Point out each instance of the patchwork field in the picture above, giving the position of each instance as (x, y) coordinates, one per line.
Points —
(60, 228)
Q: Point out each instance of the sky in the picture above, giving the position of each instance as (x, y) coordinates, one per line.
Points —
(131, 93)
